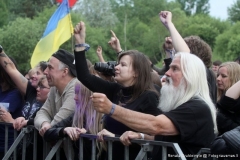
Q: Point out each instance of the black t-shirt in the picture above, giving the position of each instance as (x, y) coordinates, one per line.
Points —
(31, 105)
(194, 122)
(228, 116)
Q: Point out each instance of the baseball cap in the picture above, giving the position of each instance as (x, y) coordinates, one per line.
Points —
(66, 58)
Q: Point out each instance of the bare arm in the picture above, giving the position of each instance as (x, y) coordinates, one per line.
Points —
(20, 81)
(177, 40)
(159, 125)
(234, 91)
(99, 54)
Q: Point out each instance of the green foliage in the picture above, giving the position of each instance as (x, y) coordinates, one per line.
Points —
(135, 22)
(3, 14)
(98, 12)
(234, 11)
(19, 39)
(145, 10)
(26, 8)
(227, 44)
(192, 7)
(206, 27)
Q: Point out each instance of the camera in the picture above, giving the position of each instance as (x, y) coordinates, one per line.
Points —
(1, 49)
(106, 68)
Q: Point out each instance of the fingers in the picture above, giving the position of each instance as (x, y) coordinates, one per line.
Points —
(113, 34)
(125, 140)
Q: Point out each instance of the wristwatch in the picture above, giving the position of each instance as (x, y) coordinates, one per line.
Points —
(83, 45)
(1, 49)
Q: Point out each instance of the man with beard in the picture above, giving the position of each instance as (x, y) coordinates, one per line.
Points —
(189, 116)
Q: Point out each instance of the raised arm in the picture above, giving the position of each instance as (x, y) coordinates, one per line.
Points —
(177, 40)
(20, 81)
(99, 54)
(234, 91)
(115, 43)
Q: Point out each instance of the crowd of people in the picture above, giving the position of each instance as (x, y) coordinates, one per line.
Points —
(188, 101)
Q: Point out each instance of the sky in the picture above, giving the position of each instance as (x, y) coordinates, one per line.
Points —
(218, 8)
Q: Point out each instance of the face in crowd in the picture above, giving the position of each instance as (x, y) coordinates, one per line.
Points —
(54, 72)
(215, 68)
(227, 75)
(42, 90)
(174, 83)
(36, 76)
(124, 72)
(222, 78)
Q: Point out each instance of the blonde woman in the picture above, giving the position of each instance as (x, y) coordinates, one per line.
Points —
(227, 75)
(228, 112)
(84, 120)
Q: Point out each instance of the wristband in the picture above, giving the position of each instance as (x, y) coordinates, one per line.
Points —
(113, 109)
(142, 135)
(120, 52)
(83, 45)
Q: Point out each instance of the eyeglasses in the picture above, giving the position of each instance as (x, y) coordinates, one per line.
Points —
(42, 87)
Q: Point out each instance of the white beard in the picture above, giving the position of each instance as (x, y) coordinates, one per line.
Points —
(171, 95)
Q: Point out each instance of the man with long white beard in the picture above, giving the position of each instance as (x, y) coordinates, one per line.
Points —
(189, 116)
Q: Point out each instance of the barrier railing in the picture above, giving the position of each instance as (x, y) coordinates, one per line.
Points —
(146, 146)
(49, 152)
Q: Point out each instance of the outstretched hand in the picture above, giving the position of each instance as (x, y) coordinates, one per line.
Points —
(80, 33)
(165, 18)
(101, 103)
(115, 43)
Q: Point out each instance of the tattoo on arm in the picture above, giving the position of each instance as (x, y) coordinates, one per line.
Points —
(6, 63)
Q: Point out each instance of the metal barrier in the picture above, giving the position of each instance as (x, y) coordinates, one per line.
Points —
(48, 151)
(146, 146)
(48, 154)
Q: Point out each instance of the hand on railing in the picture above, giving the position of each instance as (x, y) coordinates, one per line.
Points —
(44, 128)
(19, 123)
(127, 136)
(74, 132)
(104, 132)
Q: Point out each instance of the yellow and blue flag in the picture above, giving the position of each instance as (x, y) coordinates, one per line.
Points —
(59, 29)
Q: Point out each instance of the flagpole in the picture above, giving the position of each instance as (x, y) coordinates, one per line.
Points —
(71, 30)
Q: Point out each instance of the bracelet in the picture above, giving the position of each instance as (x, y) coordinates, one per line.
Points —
(83, 45)
(120, 52)
(142, 135)
(113, 109)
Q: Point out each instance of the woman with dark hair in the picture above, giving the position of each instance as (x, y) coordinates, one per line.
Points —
(12, 98)
(133, 88)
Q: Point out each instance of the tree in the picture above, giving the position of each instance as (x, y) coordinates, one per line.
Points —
(26, 8)
(192, 7)
(97, 12)
(227, 44)
(206, 27)
(3, 13)
(19, 39)
(234, 11)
